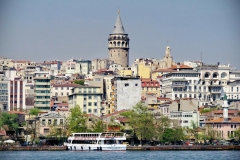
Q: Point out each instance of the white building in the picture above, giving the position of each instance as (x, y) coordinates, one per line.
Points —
(185, 119)
(127, 91)
(83, 66)
(62, 90)
(181, 84)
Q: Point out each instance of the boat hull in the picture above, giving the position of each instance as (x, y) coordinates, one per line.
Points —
(91, 147)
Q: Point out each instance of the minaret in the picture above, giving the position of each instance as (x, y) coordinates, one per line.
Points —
(118, 44)
(168, 58)
(225, 108)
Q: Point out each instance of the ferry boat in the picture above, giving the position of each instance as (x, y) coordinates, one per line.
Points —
(106, 141)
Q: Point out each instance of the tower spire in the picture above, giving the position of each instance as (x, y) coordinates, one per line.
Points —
(118, 28)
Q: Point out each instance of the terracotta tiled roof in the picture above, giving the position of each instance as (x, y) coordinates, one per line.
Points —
(15, 112)
(163, 98)
(62, 109)
(62, 104)
(230, 120)
(180, 66)
(115, 113)
(122, 119)
(164, 70)
(232, 111)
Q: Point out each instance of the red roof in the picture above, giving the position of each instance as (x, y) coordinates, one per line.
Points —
(164, 70)
(62, 109)
(63, 104)
(230, 120)
(15, 112)
(122, 119)
(232, 111)
(180, 66)
(163, 98)
(115, 113)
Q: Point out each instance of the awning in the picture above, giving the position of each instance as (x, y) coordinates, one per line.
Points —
(9, 141)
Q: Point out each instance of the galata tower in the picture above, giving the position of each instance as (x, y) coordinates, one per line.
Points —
(118, 44)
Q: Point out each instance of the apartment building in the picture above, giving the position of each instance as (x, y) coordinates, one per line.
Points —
(89, 99)
(127, 92)
(42, 90)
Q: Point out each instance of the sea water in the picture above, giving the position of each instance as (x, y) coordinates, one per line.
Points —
(119, 155)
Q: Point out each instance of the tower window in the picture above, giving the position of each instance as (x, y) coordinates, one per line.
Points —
(126, 55)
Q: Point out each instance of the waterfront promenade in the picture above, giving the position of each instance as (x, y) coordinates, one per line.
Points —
(129, 148)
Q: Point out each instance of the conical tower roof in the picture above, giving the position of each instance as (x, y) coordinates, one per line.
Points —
(118, 28)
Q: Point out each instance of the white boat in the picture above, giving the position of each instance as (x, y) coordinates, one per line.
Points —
(107, 141)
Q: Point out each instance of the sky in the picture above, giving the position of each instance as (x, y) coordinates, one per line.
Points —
(44, 30)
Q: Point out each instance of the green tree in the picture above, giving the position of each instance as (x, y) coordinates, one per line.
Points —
(141, 122)
(9, 120)
(173, 135)
(76, 122)
(97, 126)
(34, 111)
(80, 82)
(237, 134)
(162, 123)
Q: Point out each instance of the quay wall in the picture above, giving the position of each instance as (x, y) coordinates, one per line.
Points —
(182, 147)
(32, 148)
(129, 148)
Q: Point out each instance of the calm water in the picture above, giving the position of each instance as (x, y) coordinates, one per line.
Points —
(117, 155)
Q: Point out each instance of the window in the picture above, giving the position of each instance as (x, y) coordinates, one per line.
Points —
(89, 111)
(43, 122)
(61, 121)
(62, 88)
(231, 126)
(223, 75)
(49, 121)
(126, 84)
(89, 97)
(84, 105)
(55, 122)
(185, 121)
(136, 84)
(56, 88)
(89, 103)
(95, 103)
(46, 130)
(95, 110)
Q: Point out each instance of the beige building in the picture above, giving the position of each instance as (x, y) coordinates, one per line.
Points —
(51, 123)
(89, 98)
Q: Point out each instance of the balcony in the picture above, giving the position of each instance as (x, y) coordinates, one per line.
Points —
(216, 91)
(178, 85)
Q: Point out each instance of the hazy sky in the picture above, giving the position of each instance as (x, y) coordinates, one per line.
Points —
(41, 30)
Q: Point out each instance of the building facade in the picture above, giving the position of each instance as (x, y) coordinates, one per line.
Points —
(127, 92)
(88, 98)
(42, 90)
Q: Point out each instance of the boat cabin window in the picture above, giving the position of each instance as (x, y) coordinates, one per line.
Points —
(110, 142)
(84, 142)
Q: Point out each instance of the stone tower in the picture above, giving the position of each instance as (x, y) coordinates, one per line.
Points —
(168, 58)
(118, 44)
